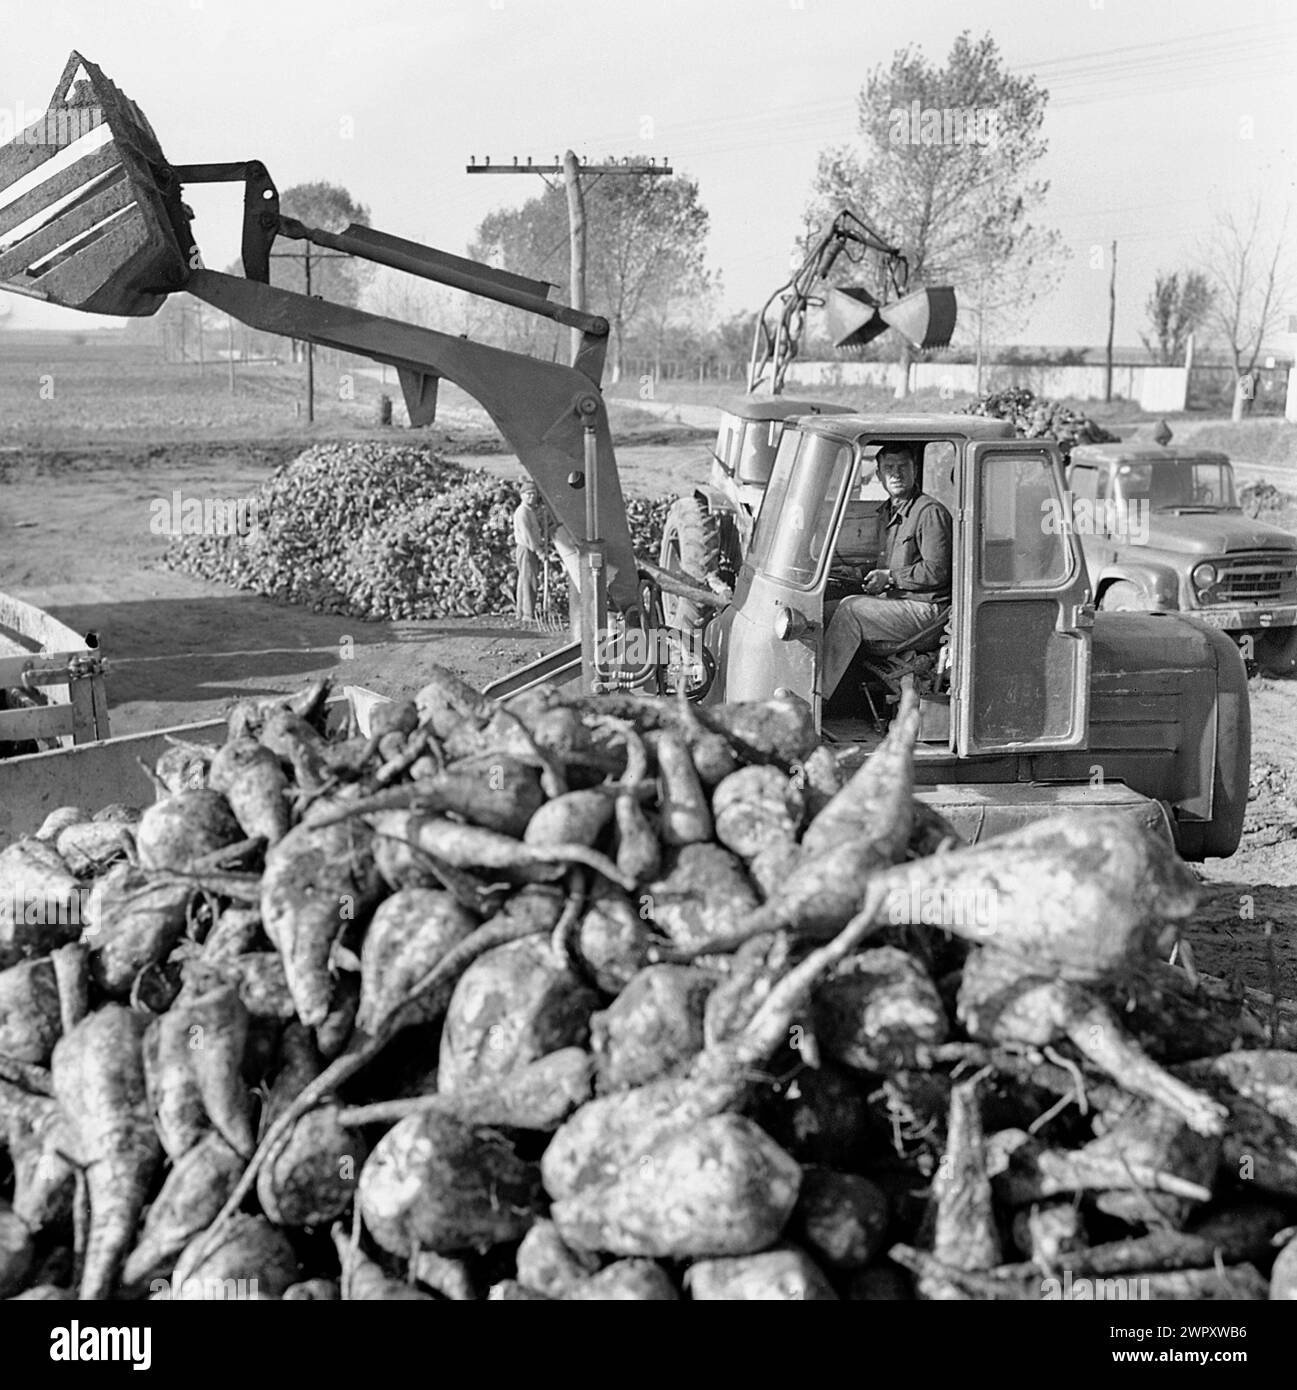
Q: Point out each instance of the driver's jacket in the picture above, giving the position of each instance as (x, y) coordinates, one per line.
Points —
(916, 549)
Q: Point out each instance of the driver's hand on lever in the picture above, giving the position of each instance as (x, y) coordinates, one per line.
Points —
(877, 582)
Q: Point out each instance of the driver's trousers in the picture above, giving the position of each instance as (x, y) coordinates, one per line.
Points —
(861, 621)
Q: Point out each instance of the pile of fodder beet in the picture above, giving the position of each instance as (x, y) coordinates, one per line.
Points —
(1037, 418)
(382, 532)
(454, 556)
(1265, 502)
(605, 997)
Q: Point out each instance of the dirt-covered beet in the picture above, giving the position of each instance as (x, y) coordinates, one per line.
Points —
(614, 998)
(433, 1183)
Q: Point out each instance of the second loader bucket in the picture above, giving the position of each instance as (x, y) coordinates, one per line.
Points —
(90, 214)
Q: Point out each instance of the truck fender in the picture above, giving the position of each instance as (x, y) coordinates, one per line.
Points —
(1158, 584)
(1231, 769)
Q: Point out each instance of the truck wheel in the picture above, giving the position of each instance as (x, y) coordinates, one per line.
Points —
(1276, 652)
(690, 543)
(1123, 597)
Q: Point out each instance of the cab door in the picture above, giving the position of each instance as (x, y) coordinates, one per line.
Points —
(770, 637)
(1022, 610)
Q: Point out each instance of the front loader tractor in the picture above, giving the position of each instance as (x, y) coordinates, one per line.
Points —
(1038, 702)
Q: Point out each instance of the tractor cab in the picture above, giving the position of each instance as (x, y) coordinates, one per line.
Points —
(747, 440)
(1018, 659)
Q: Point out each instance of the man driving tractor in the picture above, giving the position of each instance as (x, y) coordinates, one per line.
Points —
(912, 584)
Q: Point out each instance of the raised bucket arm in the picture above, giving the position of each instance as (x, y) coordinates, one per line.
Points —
(92, 218)
(543, 409)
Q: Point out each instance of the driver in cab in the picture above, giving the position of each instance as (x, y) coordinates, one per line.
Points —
(912, 583)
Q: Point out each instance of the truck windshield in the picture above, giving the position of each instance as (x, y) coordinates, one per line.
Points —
(795, 526)
(1167, 484)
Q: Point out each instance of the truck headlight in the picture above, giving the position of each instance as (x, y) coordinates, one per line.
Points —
(1203, 576)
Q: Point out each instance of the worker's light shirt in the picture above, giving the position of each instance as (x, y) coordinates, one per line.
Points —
(526, 528)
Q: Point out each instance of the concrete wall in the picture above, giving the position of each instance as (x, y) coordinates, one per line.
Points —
(1155, 388)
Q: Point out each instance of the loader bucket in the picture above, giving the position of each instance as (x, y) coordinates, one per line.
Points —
(926, 317)
(90, 212)
(853, 316)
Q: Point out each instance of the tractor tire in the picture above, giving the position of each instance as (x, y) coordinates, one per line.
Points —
(1123, 597)
(690, 543)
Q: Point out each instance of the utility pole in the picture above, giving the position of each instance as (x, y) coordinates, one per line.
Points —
(306, 258)
(576, 237)
(572, 172)
(229, 347)
(1112, 320)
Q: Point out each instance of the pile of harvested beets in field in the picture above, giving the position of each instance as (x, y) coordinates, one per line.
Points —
(607, 997)
(1035, 417)
(382, 532)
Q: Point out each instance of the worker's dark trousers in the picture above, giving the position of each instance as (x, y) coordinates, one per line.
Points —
(859, 622)
(528, 562)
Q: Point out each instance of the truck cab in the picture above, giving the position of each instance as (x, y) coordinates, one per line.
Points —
(1048, 702)
(1162, 531)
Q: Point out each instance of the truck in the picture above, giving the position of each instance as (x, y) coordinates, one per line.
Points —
(1044, 704)
(1163, 531)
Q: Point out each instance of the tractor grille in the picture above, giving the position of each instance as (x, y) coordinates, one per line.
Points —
(1257, 579)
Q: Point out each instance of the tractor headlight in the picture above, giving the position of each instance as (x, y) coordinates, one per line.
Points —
(787, 623)
(1203, 576)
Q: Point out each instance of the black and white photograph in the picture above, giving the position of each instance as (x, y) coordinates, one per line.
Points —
(648, 652)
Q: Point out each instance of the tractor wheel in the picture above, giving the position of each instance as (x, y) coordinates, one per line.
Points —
(1123, 597)
(691, 544)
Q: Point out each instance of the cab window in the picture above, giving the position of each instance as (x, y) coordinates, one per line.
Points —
(1019, 549)
(757, 450)
(797, 516)
(1084, 482)
(938, 476)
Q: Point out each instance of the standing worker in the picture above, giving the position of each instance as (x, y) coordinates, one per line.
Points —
(528, 546)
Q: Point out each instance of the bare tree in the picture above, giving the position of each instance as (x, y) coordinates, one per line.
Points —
(946, 168)
(1251, 289)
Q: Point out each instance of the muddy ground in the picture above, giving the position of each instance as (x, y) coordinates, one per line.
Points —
(75, 539)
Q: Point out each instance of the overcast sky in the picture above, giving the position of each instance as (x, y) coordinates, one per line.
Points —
(1161, 111)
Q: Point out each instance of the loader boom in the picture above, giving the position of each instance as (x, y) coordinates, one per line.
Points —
(92, 217)
(543, 409)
